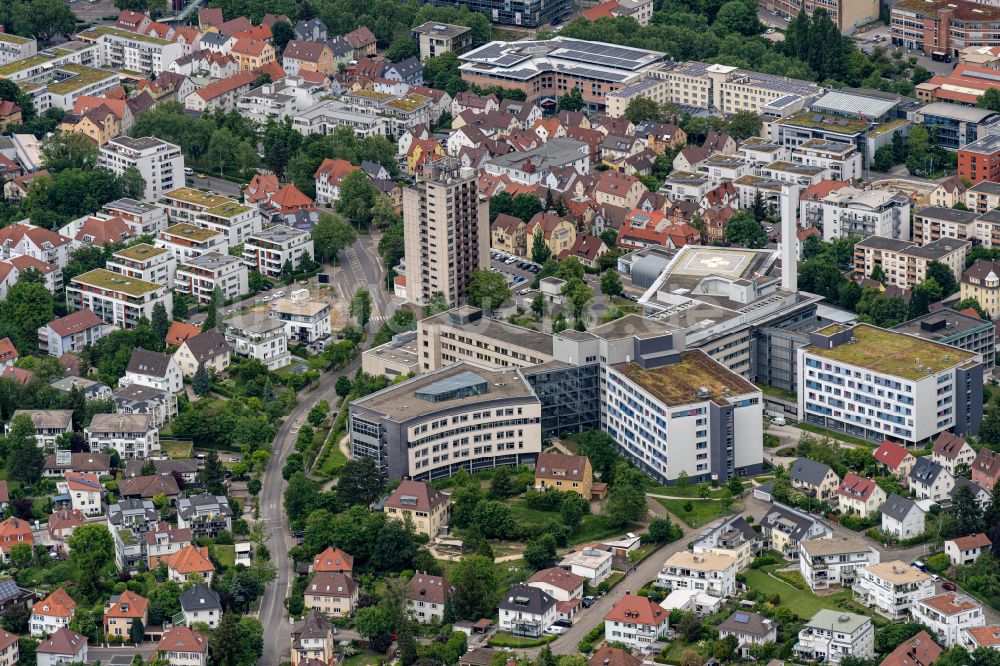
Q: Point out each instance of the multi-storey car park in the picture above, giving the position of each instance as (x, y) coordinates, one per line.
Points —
(876, 384)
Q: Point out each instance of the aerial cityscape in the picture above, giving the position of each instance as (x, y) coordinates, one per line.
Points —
(499, 332)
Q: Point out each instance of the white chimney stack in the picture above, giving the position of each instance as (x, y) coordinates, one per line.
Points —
(789, 210)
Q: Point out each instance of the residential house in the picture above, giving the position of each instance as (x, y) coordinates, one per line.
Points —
(201, 603)
(181, 646)
(949, 616)
(333, 594)
(929, 480)
(749, 629)
(71, 333)
(966, 549)
(918, 650)
(160, 406)
(52, 613)
(61, 525)
(591, 563)
(703, 572)
(831, 635)
(209, 349)
(892, 588)
(150, 486)
(826, 562)
(636, 622)
(814, 479)
(427, 596)
(902, 518)
(329, 176)
(204, 514)
(61, 647)
(987, 636)
(587, 249)
(155, 370)
(49, 424)
(560, 584)
(559, 233)
(603, 656)
(312, 639)
(509, 234)
(163, 541)
(14, 531)
(895, 458)
(526, 611)
(785, 528)
(85, 492)
(130, 435)
(121, 611)
(332, 560)
(986, 469)
(859, 496)
(952, 451)
(362, 41)
(425, 507)
(734, 538)
(190, 563)
(564, 473)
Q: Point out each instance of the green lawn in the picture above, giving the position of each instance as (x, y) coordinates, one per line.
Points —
(506, 639)
(702, 510)
(364, 659)
(832, 434)
(690, 490)
(592, 527)
(177, 449)
(226, 555)
(803, 603)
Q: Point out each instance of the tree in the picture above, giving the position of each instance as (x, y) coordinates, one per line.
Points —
(971, 302)
(627, 499)
(990, 99)
(225, 645)
(357, 197)
(384, 212)
(213, 474)
(725, 647)
(136, 632)
(343, 386)
(475, 584)
(133, 184)
(891, 635)
(371, 621)
(43, 19)
(69, 150)
(435, 304)
(201, 384)
(540, 552)
(180, 307)
(538, 305)
(611, 283)
(662, 530)
(361, 482)
(989, 429)
(743, 124)
(965, 512)
(92, 551)
(579, 296)
(25, 459)
(736, 17)
(402, 47)
(540, 251)
(211, 318)
(487, 290)
(944, 276)
(361, 306)
(922, 295)
(281, 34)
(643, 109)
(27, 307)
(745, 231)
(572, 100)
(160, 322)
(331, 235)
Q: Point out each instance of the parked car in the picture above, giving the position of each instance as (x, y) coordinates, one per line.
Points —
(950, 586)
(555, 630)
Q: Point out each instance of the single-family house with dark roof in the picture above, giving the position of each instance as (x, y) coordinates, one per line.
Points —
(902, 518)
(929, 480)
(814, 479)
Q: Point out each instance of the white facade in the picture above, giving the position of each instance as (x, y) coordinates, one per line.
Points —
(911, 524)
(13, 47)
(831, 635)
(160, 163)
(702, 572)
(201, 275)
(145, 262)
(826, 562)
(305, 320)
(131, 435)
(850, 211)
(234, 220)
(121, 49)
(258, 337)
(842, 159)
(268, 250)
(116, 299)
(279, 100)
(172, 381)
(892, 588)
(948, 615)
(592, 564)
(187, 241)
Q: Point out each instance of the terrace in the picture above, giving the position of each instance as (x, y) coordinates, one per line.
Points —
(23, 64)
(826, 122)
(228, 209)
(681, 382)
(108, 281)
(13, 39)
(100, 31)
(408, 104)
(893, 353)
(195, 197)
(81, 78)
(189, 232)
(140, 252)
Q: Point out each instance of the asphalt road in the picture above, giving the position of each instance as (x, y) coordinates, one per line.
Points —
(361, 265)
(223, 187)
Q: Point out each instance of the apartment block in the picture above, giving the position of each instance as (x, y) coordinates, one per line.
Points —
(143, 261)
(850, 211)
(117, 299)
(14, 47)
(845, 14)
(235, 221)
(462, 416)
(904, 263)
(949, 616)
(877, 384)
(981, 282)
(130, 435)
(71, 333)
(841, 160)
(836, 561)
(980, 160)
(448, 231)
(437, 38)
(831, 635)
(187, 241)
(892, 588)
(133, 51)
(712, 574)
(142, 218)
(943, 26)
(957, 329)
(160, 163)
(306, 319)
(200, 276)
(259, 337)
(267, 251)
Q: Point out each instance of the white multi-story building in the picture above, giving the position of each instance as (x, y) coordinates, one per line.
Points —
(847, 382)
(904, 263)
(117, 299)
(133, 51)
(71, 333)
(841, 159)
(65, 646)
(892, 588)
(930, 481)
(526, 611)
(235, 221)
(281, 99)
(52, 613)
(49, 424)
(593, 564)
(201, 275)
(131, 435)
(836, 561)
(145, 262)
(186, 241)
(692, 416)
(831, 635)
(181, 646)
(258, 337)
(306, 320)
(702, 572)
(949, 615)
(14, 47)
(143, 219)
(636, 621)
(267, 251)
(155, 370)
(850, 211)
(160, 163)
(85, 492)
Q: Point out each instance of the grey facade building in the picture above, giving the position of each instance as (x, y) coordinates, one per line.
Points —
(524, 13)
(956, 329)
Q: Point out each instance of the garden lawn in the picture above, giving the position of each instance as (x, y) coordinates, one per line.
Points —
(177, 449)
(364, 658)
(591, 528)
(803, 603)
(226, 555)
(702, 510)
(687, 491)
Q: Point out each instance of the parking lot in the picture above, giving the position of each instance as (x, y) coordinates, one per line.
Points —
(519, 272)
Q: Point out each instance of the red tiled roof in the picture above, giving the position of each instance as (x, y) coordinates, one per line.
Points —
(335, 170)
(223, 86)
(948, 445)
(819, 190)
(602, 10)
(291, 197)
(333, 559)
(190, 559)
(102, 232)
(920, 650)
(179, 332)
(556, 577)
(972, 542)
(891, 454)
(128, 605)
(637, 610)
(7, 351)
(856, 487)
(57, 604)
(182, 639)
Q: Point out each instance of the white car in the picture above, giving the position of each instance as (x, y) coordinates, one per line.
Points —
(279, 294)
(555, 630)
